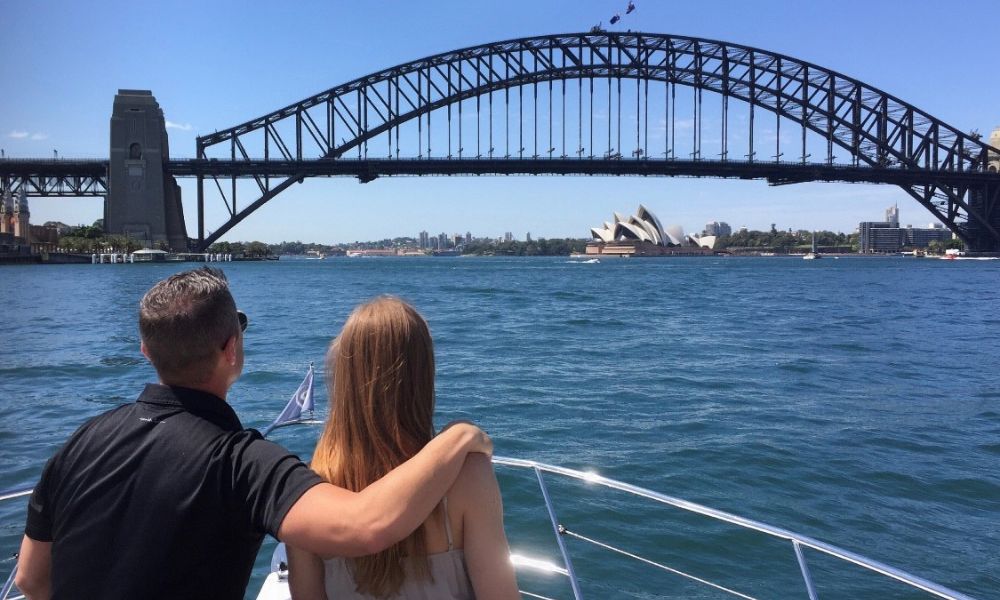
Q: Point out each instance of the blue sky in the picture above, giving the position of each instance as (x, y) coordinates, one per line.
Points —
(212, 65)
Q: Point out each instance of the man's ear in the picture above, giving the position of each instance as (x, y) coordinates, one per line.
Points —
(229, 350)
(144, 350)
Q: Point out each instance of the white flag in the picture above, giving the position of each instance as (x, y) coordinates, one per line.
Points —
(301, 401)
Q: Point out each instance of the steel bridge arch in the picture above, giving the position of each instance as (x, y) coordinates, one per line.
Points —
(943, 168)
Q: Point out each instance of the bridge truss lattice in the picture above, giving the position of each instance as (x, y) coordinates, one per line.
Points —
(608, 103)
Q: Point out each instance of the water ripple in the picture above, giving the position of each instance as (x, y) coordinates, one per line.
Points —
(843, 400)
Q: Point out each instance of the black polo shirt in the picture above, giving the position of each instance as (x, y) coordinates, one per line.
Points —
(168, 497)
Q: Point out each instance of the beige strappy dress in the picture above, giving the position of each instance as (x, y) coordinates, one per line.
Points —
(449, 576)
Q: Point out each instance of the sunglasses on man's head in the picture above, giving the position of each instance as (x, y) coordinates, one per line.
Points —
(244, 321)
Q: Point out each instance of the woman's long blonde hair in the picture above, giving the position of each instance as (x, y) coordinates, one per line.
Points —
(381, 414)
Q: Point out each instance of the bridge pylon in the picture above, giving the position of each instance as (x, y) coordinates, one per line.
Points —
(984, 235)
(144, 200)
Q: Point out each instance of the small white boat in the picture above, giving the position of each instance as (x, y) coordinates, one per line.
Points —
(812, 254)
(953, 254)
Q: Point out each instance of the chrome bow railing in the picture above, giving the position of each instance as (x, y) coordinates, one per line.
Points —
(798, 542)
(560, 531)
(8, 585)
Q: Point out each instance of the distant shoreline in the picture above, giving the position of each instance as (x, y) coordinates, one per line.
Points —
(80, 259)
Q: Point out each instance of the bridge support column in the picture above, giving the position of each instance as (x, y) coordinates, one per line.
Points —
(201, 213)
(144, 200)
(985, 200)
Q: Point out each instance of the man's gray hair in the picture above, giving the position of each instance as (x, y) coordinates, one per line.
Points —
(184, 320)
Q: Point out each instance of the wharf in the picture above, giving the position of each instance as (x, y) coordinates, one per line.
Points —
(44, 258)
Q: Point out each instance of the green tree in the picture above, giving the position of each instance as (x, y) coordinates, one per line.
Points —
(221, 248)
(257, 249)
(77, 244)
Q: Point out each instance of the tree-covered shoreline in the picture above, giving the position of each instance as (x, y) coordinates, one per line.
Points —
(91, 238)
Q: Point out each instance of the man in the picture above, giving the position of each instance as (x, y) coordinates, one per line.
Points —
(170, 497)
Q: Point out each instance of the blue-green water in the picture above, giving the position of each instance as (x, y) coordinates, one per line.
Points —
(855, 400)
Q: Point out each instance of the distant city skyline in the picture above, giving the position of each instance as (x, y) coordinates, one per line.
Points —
(211, 82)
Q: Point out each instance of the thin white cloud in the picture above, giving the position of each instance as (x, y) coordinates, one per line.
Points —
(181, 126)
(39, 136)
(18, 135)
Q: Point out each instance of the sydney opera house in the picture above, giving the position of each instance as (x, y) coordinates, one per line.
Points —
(643, 235)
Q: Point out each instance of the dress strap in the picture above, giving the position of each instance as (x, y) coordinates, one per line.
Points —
(447, 523)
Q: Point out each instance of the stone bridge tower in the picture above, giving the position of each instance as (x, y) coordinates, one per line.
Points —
(7, 213)
(22, 217)
(994, 157)
(15, 216)
(144, 200)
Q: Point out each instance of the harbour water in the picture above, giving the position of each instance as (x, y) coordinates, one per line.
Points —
(855, 400)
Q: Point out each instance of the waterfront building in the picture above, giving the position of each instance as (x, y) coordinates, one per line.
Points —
(879, 237)
(876, 237)
(7, 243)
(892, 215)
(642, 234)
(424, 240)
(60, 227)
(718, 228)
(644, 226)
(917, 237)
(7, 214)
(527, 237)
(15, 216)
(508, 237)
(442, 240)
(468, 237)
(44, 238)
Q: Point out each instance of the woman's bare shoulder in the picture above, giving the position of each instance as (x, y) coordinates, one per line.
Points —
(475, 480)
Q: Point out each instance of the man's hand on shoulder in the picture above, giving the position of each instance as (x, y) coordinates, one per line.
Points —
(465, 432)
(331, 521)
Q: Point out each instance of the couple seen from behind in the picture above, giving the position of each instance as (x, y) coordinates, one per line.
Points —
(170, 496)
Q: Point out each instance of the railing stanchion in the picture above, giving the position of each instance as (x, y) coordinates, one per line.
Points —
(559, 538)
(5, 591)
(805, 570)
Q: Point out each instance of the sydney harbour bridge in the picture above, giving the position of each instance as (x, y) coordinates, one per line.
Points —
(599, 103)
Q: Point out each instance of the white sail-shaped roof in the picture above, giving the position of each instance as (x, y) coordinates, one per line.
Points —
(650, 228)
(675, 233)
(630, 231)
(647, 215)
(644, 226)
(604, 234)
(705, 241)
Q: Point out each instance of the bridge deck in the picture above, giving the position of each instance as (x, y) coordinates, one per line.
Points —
(774, 172)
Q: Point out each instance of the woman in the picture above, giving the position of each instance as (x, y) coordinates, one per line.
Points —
(382, 407)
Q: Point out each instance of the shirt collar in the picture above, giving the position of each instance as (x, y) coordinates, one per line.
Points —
(199, 403)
